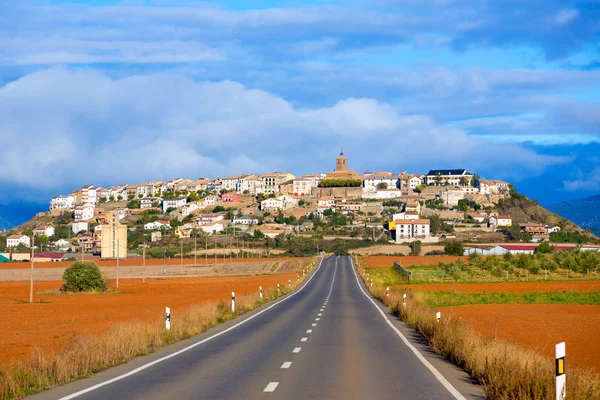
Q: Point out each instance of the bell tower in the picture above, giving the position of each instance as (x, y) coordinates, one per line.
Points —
(341, 163)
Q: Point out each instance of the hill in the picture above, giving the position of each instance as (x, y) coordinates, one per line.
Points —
(523, 210)
(584, 212)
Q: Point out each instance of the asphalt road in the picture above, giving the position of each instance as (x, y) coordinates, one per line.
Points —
(328, 340)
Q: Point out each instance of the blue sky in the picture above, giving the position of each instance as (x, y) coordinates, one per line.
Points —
(107, 92)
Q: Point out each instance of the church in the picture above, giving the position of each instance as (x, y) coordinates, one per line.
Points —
(341, 170)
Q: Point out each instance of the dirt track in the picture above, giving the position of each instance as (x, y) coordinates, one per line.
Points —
(55, 318)
(540, 327)
(42, 272)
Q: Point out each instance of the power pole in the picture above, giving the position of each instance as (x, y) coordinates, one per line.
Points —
(181, 241)
(118, 263)
(31, 277)
(215, 250)
(206, 251)
(144, 264)
(195, 249)
(165, 263)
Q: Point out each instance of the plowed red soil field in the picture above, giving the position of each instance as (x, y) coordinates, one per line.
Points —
(512, 287)
(540, 327)
(407, 261)
(53, 319)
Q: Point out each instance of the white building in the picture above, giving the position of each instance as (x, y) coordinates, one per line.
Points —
(62, 202)
(62, 244)
(189, 208)
(372, 182)
(47, 230)
(211, 200)
(302, 186)
(16, 240)
(209, 218)
(174, 203)
(244, 221)
(281, 202)
(148, 202)
(79, 226)
(500, 220)
(157, 225)
(211, 228)
(84, 213)
(489, 186)
(253, 184)
(409, 182)
(408, 230)
(443, 177)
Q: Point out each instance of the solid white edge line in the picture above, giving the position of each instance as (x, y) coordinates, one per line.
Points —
(271, 387)
(447, 385)
(148, 365)
(286, 365)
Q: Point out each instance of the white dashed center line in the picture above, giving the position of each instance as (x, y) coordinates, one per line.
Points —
(297, 350)
(319, 314)
(271, 386)
(304, 339)
(317, 319)
(286, 365)
(309, 331)
(314, 325)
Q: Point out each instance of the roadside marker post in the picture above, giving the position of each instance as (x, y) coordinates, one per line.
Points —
(289, 282)
(561, 371)
(438, 316)
(387, 291)
(168, 319)
(278, 290)
(232, 302)
(404, 299)
(260, 290)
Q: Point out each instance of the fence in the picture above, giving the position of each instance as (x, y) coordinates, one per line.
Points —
(402, 271)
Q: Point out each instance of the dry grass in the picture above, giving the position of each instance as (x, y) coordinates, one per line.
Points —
(505, 371)
(89, 354)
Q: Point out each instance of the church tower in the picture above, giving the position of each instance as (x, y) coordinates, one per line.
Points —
(341, 163)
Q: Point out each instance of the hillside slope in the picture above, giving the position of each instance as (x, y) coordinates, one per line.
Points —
(583, 212)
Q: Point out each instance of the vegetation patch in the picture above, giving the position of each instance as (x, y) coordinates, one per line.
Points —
(84, 277)
(448, 299)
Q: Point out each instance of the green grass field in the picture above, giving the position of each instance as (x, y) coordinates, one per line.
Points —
(447, 299)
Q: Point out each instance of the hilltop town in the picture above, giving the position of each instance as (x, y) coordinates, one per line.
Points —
(381, 207)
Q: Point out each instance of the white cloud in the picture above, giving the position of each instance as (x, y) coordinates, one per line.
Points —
(588, 183)
(566, 16)
(62, 128)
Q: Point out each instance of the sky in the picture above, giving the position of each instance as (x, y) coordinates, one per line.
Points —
(111, 92)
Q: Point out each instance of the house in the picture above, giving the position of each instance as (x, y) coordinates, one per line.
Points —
(281, 202)
(16, 240)
(233, 183)
(79, 226)
(244, 221)
(189, 208)
(231, 197)
(47, 230)
(173, 203)
(211, 200)
(412, 207)
(477, 217)
(489, 186)
(271, 181)
(155, 236)
(287, 187)
(86, 241)
(84, 213)
(533, 229)
(62, 202)
(303, 186)
(62, 244)
(443, 177)
(409, 182)
(89, 195)
(252, 184)
(500, 220)
(195, 186)
(350, 206)
(47, 257)
(209, 218)
(408, 230)
(211, 228)
(381, 181)
(148, 202)
(160, 224)
(552, 229)
(451, 195)
(326, 203)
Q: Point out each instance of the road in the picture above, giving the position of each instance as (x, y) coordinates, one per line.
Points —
(328, 340)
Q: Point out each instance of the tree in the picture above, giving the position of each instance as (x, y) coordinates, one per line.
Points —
(382, 186)
(435, 224)
(219, 209)
(415, 248)
(193, 196)
(474, 179)
(131, 196)
(544, 248)
(454, 248)
(112, 198)
(133, 204)
(171, 209)
(102, 199)
(120, 198)
(83, 277)
(421, 187)
(301, 202)
(258, 234)
(438, 179)
(464, 181)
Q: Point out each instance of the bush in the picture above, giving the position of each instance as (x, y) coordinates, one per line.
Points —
(544, 248)
(83, 276)
(435, 253)
(454, 248)
(415, 248)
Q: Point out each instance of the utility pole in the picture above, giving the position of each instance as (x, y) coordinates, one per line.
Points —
(118, 262)
(206, 251)
(144, 263)
(82, 255)
(165, 263)
(31, 277)
(181, 242)
(195, 249)
(215, 250)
